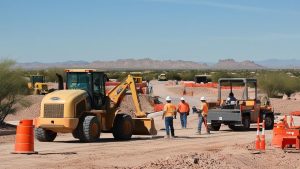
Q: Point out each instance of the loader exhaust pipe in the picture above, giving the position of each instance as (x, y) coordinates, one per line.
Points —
(60, 82)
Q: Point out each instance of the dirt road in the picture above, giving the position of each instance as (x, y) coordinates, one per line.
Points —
(230, 148)
(224, 149)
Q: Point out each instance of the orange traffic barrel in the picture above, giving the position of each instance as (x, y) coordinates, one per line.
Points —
(24, 138)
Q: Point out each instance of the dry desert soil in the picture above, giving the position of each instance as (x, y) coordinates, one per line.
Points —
(221, 149)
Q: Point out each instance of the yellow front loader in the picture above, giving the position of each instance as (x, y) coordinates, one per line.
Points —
(85, 110)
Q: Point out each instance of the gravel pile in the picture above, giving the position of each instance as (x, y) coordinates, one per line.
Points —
(127, 105)
(191, 161)
(30, 111)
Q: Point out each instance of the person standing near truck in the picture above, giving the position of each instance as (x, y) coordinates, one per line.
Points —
(183, 109)
(169, 112)
(202, 114)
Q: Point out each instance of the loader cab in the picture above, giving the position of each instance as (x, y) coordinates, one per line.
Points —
(91, 81)
(137, 77)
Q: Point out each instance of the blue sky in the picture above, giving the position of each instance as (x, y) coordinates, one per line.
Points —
(196, 30)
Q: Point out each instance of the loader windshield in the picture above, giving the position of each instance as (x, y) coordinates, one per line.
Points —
(78, 81)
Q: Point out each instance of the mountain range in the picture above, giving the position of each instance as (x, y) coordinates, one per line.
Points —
(142, 64)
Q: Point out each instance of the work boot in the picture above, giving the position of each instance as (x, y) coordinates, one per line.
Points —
(167, 136)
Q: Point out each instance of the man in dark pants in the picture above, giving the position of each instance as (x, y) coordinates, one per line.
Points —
(183, 109)
(169, 113)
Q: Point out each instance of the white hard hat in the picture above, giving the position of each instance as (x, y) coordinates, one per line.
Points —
(168, 98)
(182, 98)
(202, 98)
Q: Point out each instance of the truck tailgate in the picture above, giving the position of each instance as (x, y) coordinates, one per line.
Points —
(223, 115)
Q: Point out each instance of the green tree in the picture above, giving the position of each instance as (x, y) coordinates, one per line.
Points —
(12, 84)
(51, 74)
(222, 74)
(276, 83)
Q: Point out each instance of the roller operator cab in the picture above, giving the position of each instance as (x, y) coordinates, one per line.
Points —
(238, 105)
(84, 109)
(37, 85)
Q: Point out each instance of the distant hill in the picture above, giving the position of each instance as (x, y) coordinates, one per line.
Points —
(169, 64)
(39, 65)
(147, 64)
(284, 63)
(231, 64)
(129, 64)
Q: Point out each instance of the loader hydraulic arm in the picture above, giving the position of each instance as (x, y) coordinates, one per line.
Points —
(116, 94)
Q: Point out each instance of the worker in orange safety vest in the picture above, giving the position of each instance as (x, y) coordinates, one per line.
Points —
(202, 114)
(169, 112)
(183, 110)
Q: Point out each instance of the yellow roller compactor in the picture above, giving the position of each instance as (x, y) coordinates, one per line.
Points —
(37, 85)
(85, 110)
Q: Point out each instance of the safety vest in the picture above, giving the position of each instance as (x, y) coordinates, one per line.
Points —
(183, 107)
(204, 108)
(169, 110)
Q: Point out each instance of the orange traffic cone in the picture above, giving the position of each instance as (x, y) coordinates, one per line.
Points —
(263, 141)
(24, 138)
(257, 140)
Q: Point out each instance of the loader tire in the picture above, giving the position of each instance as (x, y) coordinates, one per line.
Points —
(123, 127)
(269, 122)
(88, 129)
(75, 134)
(44, 135)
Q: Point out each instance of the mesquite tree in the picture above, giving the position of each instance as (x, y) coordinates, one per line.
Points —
(12, 86)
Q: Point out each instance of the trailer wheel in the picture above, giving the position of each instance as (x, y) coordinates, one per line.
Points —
(246, 123)
(214, 127)
(269, 122)
(44, 135)
(123, 127)
(88, 130)
(233, 127)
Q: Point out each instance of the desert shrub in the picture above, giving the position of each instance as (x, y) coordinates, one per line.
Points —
(276, 83)
(50, 74)
(216, 76)
(188, 76)
(12, 84)
(173, 75)
(150, 76)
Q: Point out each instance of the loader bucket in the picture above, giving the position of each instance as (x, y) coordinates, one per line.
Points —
(144, 126)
